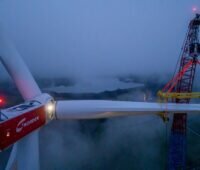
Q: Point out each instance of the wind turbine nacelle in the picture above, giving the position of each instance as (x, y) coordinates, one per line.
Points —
(18, 121)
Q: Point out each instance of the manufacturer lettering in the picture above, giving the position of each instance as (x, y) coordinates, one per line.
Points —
(24, 123)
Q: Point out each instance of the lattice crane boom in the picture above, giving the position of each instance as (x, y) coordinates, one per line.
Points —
(179, 89)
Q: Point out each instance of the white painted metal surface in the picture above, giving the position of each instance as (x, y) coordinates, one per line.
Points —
(12, 162)
(17, 69)
(28, 89)
(94, 109)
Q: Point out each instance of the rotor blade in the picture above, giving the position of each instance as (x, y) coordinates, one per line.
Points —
(17, 69)
(12, 162)
(28, 88)
(95, 109)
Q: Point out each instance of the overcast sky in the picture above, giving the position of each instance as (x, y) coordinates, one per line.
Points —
(90, 37)
(83, 38)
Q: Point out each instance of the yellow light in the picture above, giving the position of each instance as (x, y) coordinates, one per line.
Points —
(8, 134)
(50, 109)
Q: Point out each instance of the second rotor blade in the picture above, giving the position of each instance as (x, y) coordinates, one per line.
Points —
(95, 109)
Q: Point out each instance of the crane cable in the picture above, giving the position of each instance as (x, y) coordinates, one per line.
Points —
(193, 131)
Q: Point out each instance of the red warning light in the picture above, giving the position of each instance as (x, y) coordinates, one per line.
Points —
(2, 101)
(194, 9)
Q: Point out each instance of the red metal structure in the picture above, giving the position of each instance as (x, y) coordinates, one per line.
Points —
(183, 83)
(14, 129)
(18, 121)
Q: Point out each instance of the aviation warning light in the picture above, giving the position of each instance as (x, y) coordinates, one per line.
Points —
(194, 9)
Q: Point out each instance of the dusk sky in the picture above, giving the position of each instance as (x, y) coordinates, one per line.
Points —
(82, 38)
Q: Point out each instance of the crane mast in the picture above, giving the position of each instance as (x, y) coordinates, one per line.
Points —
(190, 54)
